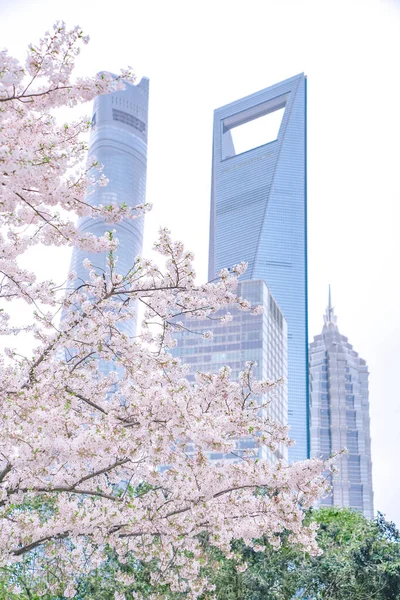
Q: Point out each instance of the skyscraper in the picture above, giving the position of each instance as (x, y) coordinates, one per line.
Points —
(119, 142)
(339, 415)
(258, 214)
(259, 339)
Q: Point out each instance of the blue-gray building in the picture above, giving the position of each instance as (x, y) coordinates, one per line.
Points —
(259, 215)
(339, 416)
(259, 339)
(119, 142)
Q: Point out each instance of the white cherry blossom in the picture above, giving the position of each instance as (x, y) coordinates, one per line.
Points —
(87, 458)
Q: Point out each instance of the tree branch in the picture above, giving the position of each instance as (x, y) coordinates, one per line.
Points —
(5, 471)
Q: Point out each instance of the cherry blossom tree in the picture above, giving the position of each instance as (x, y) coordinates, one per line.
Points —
(92, 460)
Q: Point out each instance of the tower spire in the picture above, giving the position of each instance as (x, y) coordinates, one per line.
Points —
(329, 316)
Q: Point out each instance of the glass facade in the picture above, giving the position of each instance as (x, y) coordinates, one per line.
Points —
(258, 215)
(261, 339)
(119, 142)
(339, 416)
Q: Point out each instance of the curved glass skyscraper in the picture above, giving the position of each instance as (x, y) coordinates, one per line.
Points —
(119, 142)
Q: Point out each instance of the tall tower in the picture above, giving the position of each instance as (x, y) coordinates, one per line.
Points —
(119, 142)
(339, 415)
(258, 214)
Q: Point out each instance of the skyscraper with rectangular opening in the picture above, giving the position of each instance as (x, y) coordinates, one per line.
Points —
(258, 214)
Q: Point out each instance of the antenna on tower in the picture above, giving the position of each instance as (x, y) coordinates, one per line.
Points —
(330, 309)
(329, 313)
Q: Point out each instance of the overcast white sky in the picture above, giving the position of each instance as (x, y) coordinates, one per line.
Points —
(201, 55)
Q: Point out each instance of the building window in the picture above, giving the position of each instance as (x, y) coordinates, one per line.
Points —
(351, 419)
(325, 441)
(127, 119)
(356, 496)
(352, 442)
(324, 417)
(354, 468)
(276, 313)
